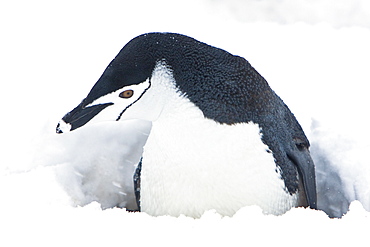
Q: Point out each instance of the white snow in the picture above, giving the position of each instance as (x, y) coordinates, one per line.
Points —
(314, 54)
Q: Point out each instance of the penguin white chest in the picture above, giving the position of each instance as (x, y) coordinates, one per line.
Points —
(192, 164)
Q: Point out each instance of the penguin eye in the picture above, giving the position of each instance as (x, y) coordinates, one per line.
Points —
(126, 94)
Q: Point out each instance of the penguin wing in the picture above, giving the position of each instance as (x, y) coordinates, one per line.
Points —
(282, 133)
(306, 169)
(298, 153)
(137, 183)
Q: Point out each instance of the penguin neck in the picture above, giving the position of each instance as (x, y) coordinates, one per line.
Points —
(175, 106)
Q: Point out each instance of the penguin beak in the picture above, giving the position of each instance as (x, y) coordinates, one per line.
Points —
(79, 116)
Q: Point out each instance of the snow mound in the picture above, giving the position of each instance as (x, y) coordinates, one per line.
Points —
(97, 163)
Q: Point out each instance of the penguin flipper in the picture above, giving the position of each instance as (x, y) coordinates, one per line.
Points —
(306, 169)
(137, 183)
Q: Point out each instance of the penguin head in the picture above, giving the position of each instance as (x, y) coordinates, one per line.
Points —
(124, 83)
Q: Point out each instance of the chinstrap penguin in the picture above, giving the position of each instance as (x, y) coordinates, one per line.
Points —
(220, 139)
